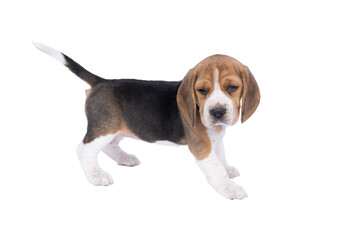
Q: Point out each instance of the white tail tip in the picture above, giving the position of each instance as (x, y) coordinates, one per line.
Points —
(52, 52)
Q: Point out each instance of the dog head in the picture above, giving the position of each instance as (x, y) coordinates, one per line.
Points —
(216, 89)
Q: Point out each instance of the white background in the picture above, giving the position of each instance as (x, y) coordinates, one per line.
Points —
(298, 155)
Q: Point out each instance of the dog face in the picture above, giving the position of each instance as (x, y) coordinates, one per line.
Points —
(217, 88)
(218, 96)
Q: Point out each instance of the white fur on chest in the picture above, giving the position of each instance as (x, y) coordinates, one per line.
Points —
(215, 135)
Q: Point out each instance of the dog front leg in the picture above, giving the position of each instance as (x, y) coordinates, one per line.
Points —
(220, 153)
(218, 178)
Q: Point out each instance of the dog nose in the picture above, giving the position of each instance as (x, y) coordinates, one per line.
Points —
(217, 112)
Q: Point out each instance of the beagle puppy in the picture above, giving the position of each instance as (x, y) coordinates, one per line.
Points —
(194, 112)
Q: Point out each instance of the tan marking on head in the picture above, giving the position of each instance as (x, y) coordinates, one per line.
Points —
(227, 72)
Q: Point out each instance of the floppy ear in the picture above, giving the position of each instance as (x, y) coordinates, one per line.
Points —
(186, 97)
(250, 94)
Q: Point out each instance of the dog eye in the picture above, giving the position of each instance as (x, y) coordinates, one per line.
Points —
(232, 89)
(203, 91)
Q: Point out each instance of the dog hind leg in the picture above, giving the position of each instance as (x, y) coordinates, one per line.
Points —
(122, 158)
(87, 153)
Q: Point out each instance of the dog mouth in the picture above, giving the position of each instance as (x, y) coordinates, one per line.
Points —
(220, 122)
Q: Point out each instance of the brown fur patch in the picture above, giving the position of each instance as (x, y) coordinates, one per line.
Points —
(186, 98)
(87, 92)
(218, 128)
(250, 95)
(126, 132)
(198, 140)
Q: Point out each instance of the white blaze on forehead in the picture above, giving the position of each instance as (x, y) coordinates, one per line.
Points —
(216, 79)
(217, 96)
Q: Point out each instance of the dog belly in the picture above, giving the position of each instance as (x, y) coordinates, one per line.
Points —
(167, 143)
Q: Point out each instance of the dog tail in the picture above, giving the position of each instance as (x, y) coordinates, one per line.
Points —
(78, 70)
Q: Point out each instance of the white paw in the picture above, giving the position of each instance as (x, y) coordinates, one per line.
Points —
(232, 172)
(230, 190)
(128, 160)
(99, 177)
